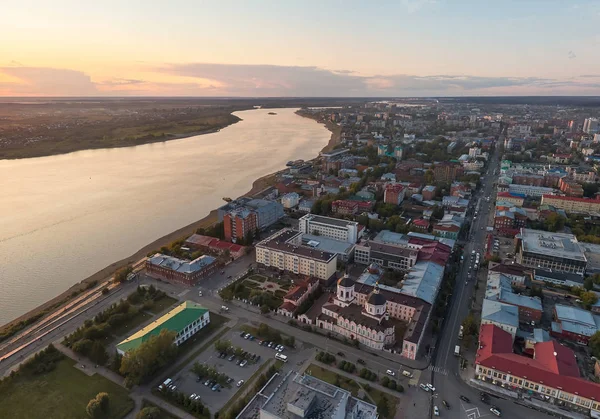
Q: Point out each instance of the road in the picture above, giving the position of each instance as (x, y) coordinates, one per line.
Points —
(445, 365)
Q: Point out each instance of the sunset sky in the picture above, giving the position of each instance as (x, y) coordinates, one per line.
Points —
(299, 48)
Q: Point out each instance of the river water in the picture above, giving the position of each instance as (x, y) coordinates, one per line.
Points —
(63, 218)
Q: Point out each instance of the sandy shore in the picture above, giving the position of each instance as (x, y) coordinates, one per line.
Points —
(106, 274)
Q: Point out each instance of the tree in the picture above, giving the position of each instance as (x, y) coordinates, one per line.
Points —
(98, 406)
(149, 412)
(588, 284)
(103, 401)
(437, 212)
(93, 409)
(554, 222)
(429, 177)
(264, 309)
(142, 362)
(121, 274)
(594, 344)
(588, 299)
(382, 407)
(98, 353)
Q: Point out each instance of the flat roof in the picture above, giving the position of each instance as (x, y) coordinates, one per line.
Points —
(280, 242)
(561, 276)
(560, 245)
(423, 281)
(328, 220)
(327, 244)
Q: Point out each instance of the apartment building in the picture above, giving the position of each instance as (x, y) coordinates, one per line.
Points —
(393, 194)
(573, 204)
(334, 228)
(239, 223)
(529, 191)
(551, 251)
(282, 251)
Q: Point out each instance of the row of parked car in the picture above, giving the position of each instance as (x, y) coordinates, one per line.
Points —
(268, 344)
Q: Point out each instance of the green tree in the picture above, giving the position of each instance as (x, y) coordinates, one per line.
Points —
(121, 274)
(382, 407)
(98, 353)
(554, 222)
(594, 344)
(149, 412)
(588, 299)
(142, 362)
(264, 309)
(588, 284)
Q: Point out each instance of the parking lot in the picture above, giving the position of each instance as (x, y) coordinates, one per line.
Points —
(187, 381)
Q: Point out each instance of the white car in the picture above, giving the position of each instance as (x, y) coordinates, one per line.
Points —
(436, 411)
(431, 387)
(240, 383)
(495, 411)
(424, 387)
(199, 293)
(390, 372)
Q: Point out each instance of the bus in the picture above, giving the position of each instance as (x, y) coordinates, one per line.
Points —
(281, 357)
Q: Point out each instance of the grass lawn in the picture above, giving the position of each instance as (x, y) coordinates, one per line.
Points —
(162, 304)
(332, 378)
(376, 395)
(258, 278)
(163, 413)
(250, 284)
(131, 325)
(60, 394)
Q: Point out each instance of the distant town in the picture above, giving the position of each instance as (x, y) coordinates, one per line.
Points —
(438, 258)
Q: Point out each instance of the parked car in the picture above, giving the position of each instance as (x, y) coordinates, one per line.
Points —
(446, 404)
(247, 335)
(390, 372)
(240, 383)
(207, 382)
(360, 361)
(431, 387)
(243, 363)
(424, 387)
(340, 353)
(436, 411)
(242, 334)
(216, 387)
(231, 358)
(229, 380)
(465, 399)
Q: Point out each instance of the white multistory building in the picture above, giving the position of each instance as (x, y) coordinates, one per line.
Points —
(334, 228)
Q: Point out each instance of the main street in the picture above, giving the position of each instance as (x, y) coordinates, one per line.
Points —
(445, 371)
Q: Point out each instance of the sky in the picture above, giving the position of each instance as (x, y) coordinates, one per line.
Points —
(299, 48)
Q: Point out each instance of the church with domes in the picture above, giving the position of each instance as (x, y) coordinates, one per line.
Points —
(356, 316)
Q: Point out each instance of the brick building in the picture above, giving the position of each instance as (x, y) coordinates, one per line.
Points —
(393, 194)
(238, 223)
(180, 271)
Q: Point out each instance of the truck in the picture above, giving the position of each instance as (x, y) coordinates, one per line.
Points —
(457, 350)
(460, 332)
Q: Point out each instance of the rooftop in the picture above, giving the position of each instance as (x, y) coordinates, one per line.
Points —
(553, 244)
(553, 365)
(497, 312)
(280, 242)
(175, 320)
(572, 198)
(326, 244)
(328, 220)
(423, 281)
(562, 276)
(180, 265)
(306, 396)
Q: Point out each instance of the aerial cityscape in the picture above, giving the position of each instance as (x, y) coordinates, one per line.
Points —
(268, 229)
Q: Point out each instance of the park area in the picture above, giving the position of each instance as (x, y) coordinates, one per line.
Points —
(259, 290)
(60, 392)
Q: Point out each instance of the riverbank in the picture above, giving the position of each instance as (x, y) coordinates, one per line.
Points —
(106, 273)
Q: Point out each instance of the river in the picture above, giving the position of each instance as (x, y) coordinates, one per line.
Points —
(65, 217)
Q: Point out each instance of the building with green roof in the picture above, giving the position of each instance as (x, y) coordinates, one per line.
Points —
(185, 319)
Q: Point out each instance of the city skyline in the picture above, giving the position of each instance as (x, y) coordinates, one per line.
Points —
(342, 48)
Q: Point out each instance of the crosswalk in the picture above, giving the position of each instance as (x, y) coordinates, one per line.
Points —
(473, 413)
(438, 370)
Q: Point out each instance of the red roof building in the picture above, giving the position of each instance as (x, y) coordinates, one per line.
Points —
(552, 373)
